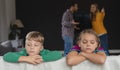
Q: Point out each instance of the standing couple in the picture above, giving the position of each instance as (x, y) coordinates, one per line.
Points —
(69, 24)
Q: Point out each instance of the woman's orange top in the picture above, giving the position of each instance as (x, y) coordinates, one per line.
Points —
(98, 25)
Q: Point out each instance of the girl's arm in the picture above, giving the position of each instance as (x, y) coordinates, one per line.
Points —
(74, 58)
(98, 58)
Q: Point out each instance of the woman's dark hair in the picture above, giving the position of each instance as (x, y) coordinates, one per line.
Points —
(93, 15)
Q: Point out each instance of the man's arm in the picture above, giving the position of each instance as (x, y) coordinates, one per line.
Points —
(68, 20)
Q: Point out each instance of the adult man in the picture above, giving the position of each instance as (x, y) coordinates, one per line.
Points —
(68, 25)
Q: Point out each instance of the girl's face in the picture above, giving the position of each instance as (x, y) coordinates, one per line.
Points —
(88, 43)
(33, 47)
(93, 8)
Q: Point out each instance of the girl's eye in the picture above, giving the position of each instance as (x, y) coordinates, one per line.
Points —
(84, 42)
(92, 42)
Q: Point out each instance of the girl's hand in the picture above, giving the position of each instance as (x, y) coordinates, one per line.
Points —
(82, 53)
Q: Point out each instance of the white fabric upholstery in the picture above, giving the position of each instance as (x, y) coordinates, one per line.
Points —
(112, 63)
(54, 65)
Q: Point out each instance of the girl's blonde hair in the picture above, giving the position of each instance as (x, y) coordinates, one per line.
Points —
(36, 36)
(89, 31)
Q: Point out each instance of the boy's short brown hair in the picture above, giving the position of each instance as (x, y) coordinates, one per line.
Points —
(36, 36)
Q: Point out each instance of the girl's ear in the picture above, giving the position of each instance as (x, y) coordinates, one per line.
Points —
(78, 43)
(98, 45)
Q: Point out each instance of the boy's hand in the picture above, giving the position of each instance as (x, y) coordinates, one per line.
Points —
(36, 59)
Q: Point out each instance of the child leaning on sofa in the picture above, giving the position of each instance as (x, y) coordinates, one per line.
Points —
(34, 52)
(87, 48)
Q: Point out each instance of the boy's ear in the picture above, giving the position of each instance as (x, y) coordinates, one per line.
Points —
(41, 48)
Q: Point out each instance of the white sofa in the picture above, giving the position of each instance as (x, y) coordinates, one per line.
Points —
(112, 63)
(54, 65)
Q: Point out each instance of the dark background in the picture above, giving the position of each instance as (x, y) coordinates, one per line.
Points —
(45, 16)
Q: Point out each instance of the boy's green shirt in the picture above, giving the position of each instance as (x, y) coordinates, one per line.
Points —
(46, 55)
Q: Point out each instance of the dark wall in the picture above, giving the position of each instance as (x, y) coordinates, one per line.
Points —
(45, 16)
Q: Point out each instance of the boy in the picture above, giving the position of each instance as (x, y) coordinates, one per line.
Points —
(34, 51)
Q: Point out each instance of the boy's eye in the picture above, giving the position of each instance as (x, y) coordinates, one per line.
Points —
(36, 45)
(28, 44)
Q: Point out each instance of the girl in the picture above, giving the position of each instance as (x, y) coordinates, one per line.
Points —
(88, 49)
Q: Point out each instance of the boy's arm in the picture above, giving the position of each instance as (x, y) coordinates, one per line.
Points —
(35, 59)
(50, 55)
(98, 58)
(21, 57)
(74, 58)
(12, 56)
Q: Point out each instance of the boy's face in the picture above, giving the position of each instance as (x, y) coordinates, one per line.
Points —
(33, 47)
(88, 43)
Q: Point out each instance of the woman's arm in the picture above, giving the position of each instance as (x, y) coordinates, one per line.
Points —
(74, 58)
(103, 12)
(98, 58)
